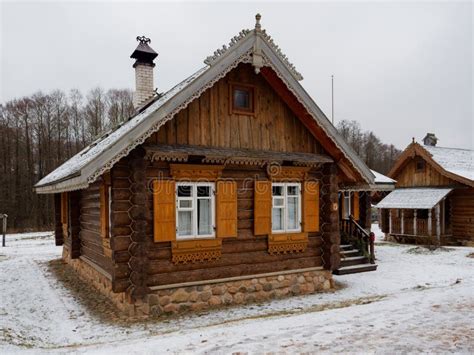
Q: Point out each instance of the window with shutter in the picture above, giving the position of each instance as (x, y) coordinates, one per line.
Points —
(226, 209)
(311, 206)
(164, 210)
(262, 207)
(104, 210)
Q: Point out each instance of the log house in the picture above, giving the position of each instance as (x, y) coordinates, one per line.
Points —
(223, 190)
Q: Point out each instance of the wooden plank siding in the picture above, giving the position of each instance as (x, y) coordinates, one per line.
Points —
(409, 177)
(90, 227)
(244, 255)
(207, 121)
(462, 214)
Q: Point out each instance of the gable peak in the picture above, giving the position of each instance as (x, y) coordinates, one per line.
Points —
(258, 58)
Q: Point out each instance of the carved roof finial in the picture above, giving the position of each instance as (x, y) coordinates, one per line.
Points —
(258, 26)
(143, 40)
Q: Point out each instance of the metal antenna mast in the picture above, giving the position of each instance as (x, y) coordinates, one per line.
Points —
(332, 99)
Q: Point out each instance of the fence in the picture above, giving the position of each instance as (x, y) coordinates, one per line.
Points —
(3, 218)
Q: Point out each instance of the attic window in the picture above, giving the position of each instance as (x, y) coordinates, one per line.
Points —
(242, 99)
(420, 166)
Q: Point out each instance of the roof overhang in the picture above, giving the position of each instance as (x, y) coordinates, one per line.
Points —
(414, 198)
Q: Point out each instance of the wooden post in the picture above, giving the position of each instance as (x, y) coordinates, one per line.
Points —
(74, 226)
(438, 227)
(443, 217)
(402, 222)
(390, 221)
(414, 222)
(429, 222)
(4, 229)
(330, 227)
(138, 262)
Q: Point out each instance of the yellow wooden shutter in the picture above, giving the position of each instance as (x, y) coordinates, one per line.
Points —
(226, 209)
(311, 206)
(64, 209)
(164, 211)
(104, 211)
(263, 207)
(355, 205)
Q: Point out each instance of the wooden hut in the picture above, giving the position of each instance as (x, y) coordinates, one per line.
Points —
(222, 190)
(434, 197)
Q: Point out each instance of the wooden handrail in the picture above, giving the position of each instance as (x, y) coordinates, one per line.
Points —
(355, 230)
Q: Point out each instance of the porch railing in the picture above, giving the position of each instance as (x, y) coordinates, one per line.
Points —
(408, 227)
(359, 236)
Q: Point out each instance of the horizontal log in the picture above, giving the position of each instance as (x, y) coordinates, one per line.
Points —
(120, 285)
(233, 259)
(209, 273)
(120, 243)
(121, 256)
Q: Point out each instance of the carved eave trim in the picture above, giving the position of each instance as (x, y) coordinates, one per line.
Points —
(285, 173)
(191, 172)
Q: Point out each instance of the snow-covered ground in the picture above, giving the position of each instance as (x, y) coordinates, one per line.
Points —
(421, 301)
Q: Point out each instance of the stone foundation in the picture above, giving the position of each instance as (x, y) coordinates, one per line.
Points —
(207, 294)
(172, 300)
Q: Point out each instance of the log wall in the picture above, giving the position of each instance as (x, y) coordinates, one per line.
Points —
(91, 245)
(244, 255)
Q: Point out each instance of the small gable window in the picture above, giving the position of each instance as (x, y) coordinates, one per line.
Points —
(420, 166)
(242, 99)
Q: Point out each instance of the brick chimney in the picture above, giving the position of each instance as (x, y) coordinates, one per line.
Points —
(430, 139)
(144, 56)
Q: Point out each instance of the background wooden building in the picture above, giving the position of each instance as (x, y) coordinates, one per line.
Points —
(222, 190)
(434, 199)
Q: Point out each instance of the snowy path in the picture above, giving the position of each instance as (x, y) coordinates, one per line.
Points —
(413, 302)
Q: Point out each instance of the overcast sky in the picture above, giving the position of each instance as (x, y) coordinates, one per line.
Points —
(401, 68)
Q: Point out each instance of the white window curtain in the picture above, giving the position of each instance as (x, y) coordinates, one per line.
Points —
(195, 210)
(286, 209)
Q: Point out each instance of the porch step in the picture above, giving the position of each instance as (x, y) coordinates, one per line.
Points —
(354, 269)
(343, 247)
(353, 260)
(349, 253)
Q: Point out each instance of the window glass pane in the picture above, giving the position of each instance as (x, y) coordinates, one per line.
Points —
(293, 213)
(277, 219)
(241, 99)
(185, 203)
(204, 217)
(277, 190)
(184, 223)
(185, 191)
(347, 206)
(292, 190)
(204, 191)
(278, 202)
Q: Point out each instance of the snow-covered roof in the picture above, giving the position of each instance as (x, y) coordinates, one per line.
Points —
(74, 165)
(250, 46)
(454, 160)
(382, 179)
(414, 198)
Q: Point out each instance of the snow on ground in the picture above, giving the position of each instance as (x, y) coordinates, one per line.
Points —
(413, 302)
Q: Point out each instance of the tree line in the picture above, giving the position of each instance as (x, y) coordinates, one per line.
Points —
(377, 155)
(41, 131)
